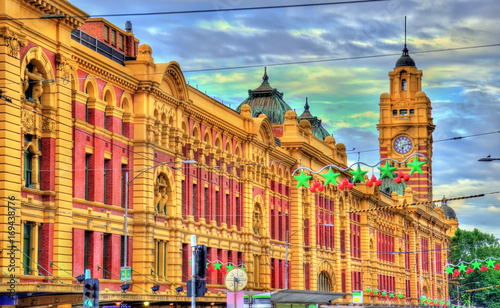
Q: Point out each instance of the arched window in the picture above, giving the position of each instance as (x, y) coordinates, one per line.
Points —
(31, 161)
(403, 85)
(324, 282)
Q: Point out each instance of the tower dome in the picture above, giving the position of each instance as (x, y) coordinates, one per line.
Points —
(266, 100)
(405, 59)
(448, 211)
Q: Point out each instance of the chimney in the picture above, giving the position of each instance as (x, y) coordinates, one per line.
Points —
(128, 26)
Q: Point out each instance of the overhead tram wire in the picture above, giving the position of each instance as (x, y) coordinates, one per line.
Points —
(210, 10)
(440, 140)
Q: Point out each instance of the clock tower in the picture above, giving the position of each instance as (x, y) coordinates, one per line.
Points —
(405, 124)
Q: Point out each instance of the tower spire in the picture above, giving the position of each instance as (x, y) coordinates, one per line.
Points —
(265, 78)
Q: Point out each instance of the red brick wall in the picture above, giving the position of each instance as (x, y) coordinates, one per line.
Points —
(78, 251)
(45, 250)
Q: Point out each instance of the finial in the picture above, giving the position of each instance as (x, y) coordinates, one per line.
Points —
(405, 49)
(265, 78)
(306, 107)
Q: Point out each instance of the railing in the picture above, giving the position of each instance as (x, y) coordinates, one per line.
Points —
(99, 47)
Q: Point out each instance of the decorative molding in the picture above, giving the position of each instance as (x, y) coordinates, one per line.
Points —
(13, 42)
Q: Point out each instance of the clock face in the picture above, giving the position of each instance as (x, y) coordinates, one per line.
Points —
(402, 144)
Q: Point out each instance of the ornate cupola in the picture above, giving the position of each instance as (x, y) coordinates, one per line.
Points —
(266, 100)
(318, 130)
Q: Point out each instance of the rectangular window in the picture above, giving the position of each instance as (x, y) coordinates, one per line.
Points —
(184, 207)
(113, 37)
(28, 169)
(228, 212)
(40, 163)
(120, 41)
(403, 112)
(164, 259)
(237, 213)
(106, 33)
(394, 112)
(86, 249)
(123, 185)
(27, 248)
(106, 260)
(105, 178)
(205, 203)
(87, 177)
(122, 250)
(216, 210)
(412, 111)
(194, 202)
(157, 257)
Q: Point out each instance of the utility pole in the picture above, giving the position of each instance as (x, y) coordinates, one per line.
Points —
(193, 271)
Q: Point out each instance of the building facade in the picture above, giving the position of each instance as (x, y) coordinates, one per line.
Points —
(97, 140)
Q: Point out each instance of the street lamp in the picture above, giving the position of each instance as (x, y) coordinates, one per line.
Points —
(127, 183)
(287, 243)
(488, 158)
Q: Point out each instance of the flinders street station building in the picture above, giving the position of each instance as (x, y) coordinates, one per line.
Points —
(111, 160)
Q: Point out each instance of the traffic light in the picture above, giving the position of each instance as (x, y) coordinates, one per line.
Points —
(201, 288)
(201, 261)
(91, 293)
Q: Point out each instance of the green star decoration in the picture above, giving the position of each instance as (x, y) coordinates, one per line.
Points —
(358, 175)
(476, 264)
(330, 177)
(400, 296)
(449, 270)
(384, 293)
(208, 263)
(490, 263)
(387, 171)
(243, 268)
(391, 295)
(217, 265)
(302, 178)
(416, 166)
(375, 292)
(462, 268)
(229, 267)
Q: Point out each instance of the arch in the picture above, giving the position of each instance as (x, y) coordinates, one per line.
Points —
(126, 102)
(185, 127)
(196, 131)
(173, 78)
(90, 87)
(238, 151)
(109, 95)
(218, 142)
(207, 137)
(41, 77)
(229, 146)
(326, 272)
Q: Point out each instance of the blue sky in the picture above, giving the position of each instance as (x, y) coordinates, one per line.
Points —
(463, 84)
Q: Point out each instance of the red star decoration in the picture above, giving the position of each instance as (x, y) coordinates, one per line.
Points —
(371, 293)
(497, 267)
(483, 269)
(469, 270)
(456, 273)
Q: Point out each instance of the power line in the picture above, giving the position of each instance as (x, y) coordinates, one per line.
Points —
(210, 10)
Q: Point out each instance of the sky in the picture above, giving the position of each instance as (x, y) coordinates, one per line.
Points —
(339, 57)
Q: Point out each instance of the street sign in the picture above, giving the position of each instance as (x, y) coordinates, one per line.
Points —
(125, 273)
(357, 297)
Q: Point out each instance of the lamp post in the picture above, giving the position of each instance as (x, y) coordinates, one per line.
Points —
(127, 184)
(287, 243)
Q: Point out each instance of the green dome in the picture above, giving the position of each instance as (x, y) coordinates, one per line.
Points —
(318, 130)
(266, 100)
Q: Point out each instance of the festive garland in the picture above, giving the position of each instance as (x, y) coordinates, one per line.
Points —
(465, 267)
(220, 266)
(359, 175)
(424, 301)
(384, 294)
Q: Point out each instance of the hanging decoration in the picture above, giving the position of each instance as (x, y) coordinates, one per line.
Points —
(424, 301)
(358, 175)
(390, 295)
(475, 265)
(217, 265)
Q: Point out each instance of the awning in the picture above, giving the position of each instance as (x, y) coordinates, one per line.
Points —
(304, 297)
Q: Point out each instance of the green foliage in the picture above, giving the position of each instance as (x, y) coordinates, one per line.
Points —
(467, 246)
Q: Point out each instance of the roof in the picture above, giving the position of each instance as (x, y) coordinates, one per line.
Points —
(405, 59)
(288, 296)
(266, 100)
(317, 129)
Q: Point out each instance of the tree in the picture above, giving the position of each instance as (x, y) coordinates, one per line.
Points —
(467, 246)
